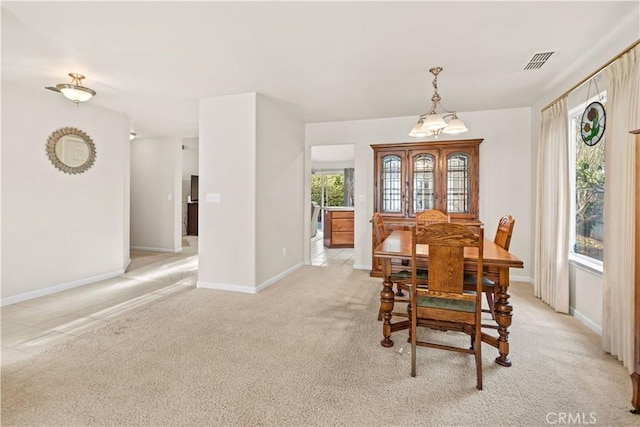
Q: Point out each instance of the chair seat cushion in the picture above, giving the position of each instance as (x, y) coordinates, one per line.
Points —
(446, 303)
(406, 274)
(470, 279)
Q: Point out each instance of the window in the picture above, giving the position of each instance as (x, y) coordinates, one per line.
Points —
(327, 187)
(588, 175)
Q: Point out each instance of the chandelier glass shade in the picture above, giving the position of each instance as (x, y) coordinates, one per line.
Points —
(75, 91)
(434, 122)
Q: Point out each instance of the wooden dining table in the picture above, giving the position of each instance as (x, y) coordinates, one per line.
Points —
(398, 246)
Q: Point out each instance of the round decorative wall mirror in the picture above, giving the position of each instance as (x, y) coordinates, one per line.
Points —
(71, 150)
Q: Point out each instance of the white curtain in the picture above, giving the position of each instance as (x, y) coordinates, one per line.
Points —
(623, 116)
(551, 267)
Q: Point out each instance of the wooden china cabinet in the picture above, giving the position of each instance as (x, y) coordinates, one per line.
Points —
(413, 176)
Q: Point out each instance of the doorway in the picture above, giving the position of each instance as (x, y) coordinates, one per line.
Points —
(332, 196)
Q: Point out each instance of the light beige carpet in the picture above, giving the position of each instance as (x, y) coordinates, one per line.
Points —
(306, 352)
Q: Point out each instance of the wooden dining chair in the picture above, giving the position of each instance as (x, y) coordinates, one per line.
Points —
(431, 216)
(504, 232)
(490, 274)
(400, 272)
(444, 305)
(379, 230)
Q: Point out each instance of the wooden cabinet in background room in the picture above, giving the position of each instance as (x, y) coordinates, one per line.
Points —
(338, 228)
(192, 219)
(414, 176)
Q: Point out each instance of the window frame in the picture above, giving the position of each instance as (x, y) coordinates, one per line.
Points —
(584, 262)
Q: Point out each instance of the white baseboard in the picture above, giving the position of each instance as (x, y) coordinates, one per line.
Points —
(150, 249)
(586, 321)
(277, 277)
(247, 289)
(227, 287)
(58, 288)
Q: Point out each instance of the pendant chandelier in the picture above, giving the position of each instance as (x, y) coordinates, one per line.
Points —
(433, 122)
(74, 91)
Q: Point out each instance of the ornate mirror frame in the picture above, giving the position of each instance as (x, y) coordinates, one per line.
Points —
(58, 136)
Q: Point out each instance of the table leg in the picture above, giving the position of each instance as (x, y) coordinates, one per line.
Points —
(386, 304)
(503, 317)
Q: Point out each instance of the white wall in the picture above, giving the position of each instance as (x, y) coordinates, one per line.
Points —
(126, 201)
(585, 286)
(585, 296)
(59, 230)
(279, 191)
(505, 171)
(227, 158)
(251, 154)
(156, 194)
(189, 167)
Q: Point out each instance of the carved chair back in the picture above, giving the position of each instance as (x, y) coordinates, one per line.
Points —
(504, 232)
(378, 228)
(431, 216)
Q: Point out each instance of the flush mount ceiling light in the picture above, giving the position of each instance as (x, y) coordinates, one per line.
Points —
(75, 91)
(433, 122)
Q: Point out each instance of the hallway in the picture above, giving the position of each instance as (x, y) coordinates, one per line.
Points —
(33, 326)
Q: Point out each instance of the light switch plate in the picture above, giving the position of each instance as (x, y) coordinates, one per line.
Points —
(213, 197)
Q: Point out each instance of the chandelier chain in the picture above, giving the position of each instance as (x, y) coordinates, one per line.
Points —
(433, 122)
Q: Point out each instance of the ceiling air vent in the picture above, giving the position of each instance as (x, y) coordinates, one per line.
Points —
(538, 60)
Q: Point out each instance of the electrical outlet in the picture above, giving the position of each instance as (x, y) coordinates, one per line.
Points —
(284, 251)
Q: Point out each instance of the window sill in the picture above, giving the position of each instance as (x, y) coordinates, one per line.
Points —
(586, 264)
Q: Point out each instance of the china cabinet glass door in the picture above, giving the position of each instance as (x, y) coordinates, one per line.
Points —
(423, 182)
(458, 169)
(391, 183)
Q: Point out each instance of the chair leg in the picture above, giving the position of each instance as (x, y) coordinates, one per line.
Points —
(380, 314)
(412, 332)
(478, 354)
(491, 304)
(409, 317)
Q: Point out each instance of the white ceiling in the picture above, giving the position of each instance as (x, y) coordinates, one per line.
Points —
(325, 61)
